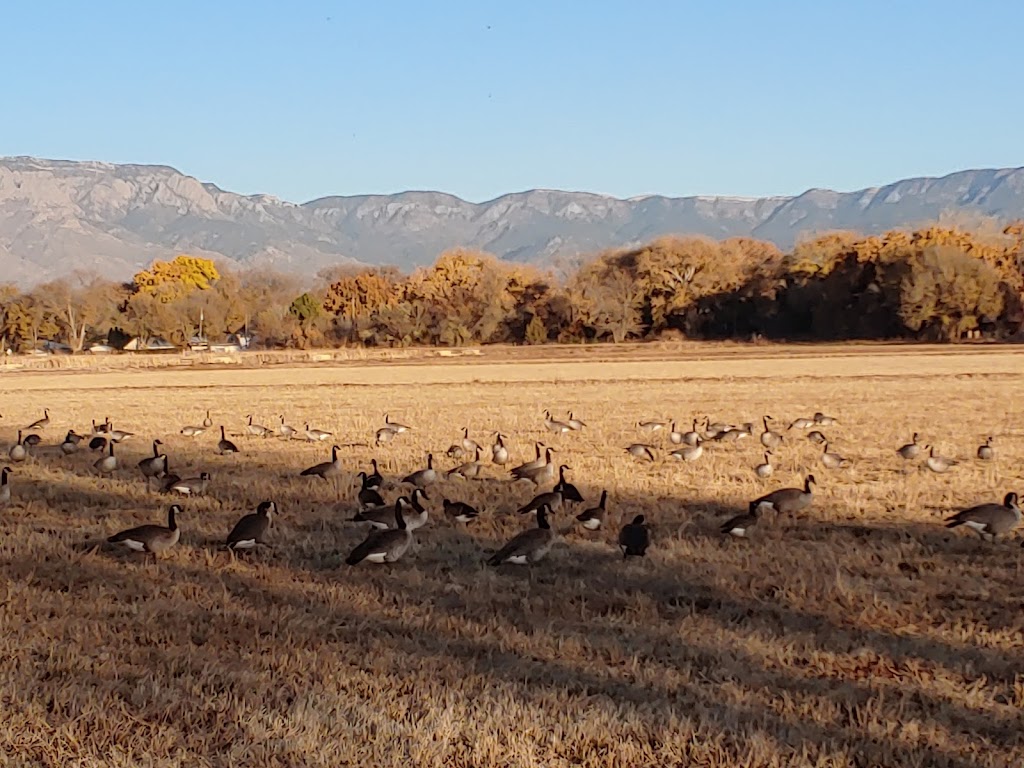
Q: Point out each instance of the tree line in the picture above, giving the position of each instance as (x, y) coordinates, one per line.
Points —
(936, 283)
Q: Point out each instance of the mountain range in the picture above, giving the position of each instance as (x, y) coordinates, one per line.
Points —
(58, 215)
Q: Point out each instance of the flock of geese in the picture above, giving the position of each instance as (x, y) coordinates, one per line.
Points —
(391, 526)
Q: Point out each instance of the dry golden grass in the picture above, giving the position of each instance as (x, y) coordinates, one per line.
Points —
(862, 633)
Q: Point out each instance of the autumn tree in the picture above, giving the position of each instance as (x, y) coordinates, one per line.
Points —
(9, 293)
(472, 296)
(947, 292)
(263, 300)
(173, 285)
(171, 280)
(81, 304)
(29, 321)
(357, 295)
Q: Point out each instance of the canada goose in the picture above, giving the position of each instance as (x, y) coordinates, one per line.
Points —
(100, 429)
(224, 445)
(250, 529)
(469, 470)
(192, 486)
(416, 500)
(650, 426)
(169, 479)
(207, 422)
(911, 450)
(385, 546)
(802, 423)
(415, 514)
(385, 435)
(938, 464)
(675, 436)
(539, 475)
(575, 424)
(552, 425)
(528, 546)
(468, 445)
(592, 518)
(316, 435)
(459, 511)
(153, 467)
(552, 500)
(816, 437)
(824, 421)
(689, 452)
(98, 443)
(635, 538)
(568, 490)
(106, 465)
(71, 441)
(17, 451)
(693, 436)
(31, 441)
(394, 426)
(5, 487)
(153, 539)
(711, 431)
(729, 435)
(455, 451)
(769, 439)
(328, 470)
(117, 435)
(741, 524)
(368, 497)
(256, 430)
(832, 460)
(375, 479)
(192, 431)
(40, 423)
(285, 431)
(765, 470)
(499, 453)
(985, 451)
(989, 520)
(423, 477)
(787, 501)
(538, 460)
(641, 451)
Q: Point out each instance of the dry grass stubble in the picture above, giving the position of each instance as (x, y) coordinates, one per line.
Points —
(863, 633)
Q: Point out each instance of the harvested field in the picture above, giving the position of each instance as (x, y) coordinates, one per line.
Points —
(860, 632)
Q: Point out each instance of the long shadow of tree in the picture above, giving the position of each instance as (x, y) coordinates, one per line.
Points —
(738, 650)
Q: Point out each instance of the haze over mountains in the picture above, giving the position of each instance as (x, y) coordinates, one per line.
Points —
(57, 215)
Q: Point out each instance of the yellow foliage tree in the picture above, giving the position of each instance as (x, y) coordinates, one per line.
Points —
(171, 280)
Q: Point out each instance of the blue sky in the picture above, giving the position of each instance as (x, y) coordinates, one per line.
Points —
(307, 99)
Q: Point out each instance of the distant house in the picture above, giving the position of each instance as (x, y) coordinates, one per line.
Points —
(56, 348)
(198, 344)
(243, 339)
(155, 344)
(225, 346)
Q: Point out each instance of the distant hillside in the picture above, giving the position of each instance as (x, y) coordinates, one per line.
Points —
(57, 215)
